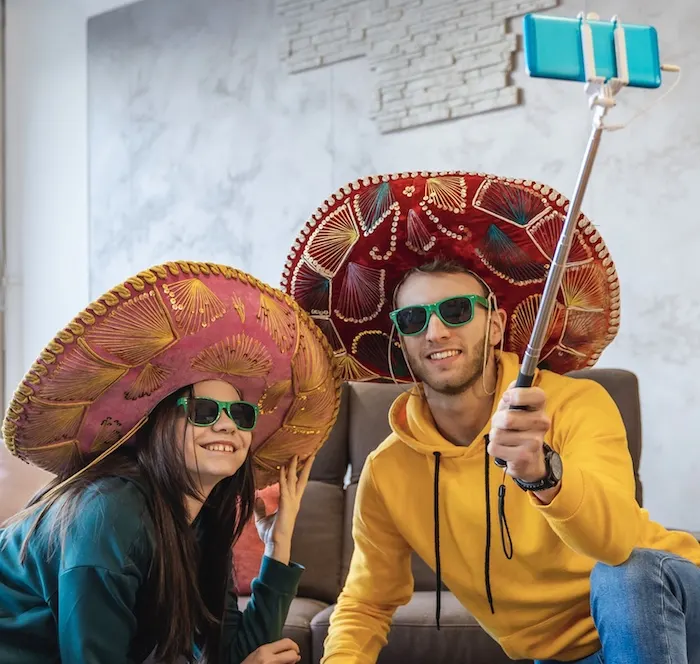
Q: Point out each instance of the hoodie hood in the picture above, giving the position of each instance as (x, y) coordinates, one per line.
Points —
(411, 420)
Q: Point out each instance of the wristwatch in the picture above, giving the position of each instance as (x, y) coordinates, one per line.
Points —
(552, 462)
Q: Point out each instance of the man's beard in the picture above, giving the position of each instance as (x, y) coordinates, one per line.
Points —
(460, 383)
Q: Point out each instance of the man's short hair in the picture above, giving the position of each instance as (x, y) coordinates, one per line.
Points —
(443, 265)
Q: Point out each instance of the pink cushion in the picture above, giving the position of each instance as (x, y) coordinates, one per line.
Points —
(249, 549)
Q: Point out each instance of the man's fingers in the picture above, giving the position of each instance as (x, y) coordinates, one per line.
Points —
(530, 397)
(521, 420)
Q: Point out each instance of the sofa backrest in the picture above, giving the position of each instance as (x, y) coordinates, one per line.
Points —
(323, 536)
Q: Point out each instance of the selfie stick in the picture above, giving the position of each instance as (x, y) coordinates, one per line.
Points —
(601, 100)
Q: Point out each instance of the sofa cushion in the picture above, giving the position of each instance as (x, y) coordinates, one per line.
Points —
(298, 624)
(249, 548)
(414, 638)
(317, 542)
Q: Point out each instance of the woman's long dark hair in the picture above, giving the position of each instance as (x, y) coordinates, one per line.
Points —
(186, 604)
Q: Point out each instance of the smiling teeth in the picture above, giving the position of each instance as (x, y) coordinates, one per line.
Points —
(217, 447)
(443, 354)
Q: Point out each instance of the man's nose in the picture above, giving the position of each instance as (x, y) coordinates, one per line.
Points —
(436, 329)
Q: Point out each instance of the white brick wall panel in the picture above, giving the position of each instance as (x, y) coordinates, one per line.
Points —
(381, 50)
(394, 115)
(346, 54)
(393, 64)
(509, 96)
(300, 44)
(395, 90)
(388, 126)
(385, 17)
(331, 36)
(335, 48)
(430, 59)
(477, 13)
(292, 28)
(449, 12)
(486, 83)
(421, 116)
(419, 83)
(433, 62)
(389, 78)
(304, 65)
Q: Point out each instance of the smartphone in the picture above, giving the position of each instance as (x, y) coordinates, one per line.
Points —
(553, 49)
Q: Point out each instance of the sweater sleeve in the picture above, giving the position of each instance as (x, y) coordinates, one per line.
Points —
(273, 590)
(96, 622)
(380, 580)
(595, 512)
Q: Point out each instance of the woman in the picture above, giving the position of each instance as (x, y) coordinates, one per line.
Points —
(159, 409)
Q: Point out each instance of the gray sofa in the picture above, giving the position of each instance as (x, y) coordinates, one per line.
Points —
(323, 541)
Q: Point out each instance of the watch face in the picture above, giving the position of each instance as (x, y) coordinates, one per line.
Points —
(555, 466)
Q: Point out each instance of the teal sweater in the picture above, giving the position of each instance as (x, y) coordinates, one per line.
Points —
(85, 604)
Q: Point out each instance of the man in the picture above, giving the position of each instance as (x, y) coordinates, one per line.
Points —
(645, 589)
(571, 568)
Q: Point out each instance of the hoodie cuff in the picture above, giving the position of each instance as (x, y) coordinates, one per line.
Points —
(283, 578)
(568, 501)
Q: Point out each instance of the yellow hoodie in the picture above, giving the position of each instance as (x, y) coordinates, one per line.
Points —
(540, 595)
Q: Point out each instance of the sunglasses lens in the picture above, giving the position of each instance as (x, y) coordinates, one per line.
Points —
(205, 411)
(456, 311)
(411, 320)
(243, 414)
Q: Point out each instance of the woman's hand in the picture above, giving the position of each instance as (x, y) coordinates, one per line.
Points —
(276, 529)
(284, 651)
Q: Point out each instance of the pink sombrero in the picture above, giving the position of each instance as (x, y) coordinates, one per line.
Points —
(351, 254)
(165, 328)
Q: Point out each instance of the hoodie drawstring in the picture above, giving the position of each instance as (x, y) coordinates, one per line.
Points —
(502, 522)
(487, 552)
(506, 540)
(438, 571)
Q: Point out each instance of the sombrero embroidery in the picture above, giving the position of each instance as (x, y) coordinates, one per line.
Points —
(351, 254)
(167, 327)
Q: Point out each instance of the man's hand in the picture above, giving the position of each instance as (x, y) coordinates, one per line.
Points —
(278, 652)
(517, 436)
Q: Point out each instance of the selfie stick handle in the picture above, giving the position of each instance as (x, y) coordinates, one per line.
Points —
(601, 101)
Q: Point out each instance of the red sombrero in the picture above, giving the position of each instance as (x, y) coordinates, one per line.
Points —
(350, 256)
(165, 328)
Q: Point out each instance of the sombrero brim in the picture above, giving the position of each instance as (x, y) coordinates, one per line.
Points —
(167, 327)
(348, 259)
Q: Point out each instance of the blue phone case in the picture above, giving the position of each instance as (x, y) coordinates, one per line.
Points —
(553, 49)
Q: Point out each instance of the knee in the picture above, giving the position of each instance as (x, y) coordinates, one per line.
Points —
(617, 581)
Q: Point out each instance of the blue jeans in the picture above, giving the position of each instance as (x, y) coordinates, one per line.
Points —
(646, 611)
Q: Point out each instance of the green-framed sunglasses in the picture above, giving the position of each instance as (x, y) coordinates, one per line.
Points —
(204, 412)
(452, 311)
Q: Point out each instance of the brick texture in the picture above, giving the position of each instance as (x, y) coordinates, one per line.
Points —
(432, 60)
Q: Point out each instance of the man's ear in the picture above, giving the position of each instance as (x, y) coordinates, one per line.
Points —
(497, 332)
